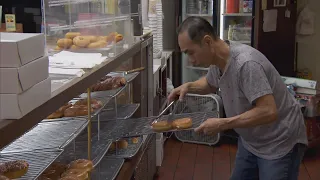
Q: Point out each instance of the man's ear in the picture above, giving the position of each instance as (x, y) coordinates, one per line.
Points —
(207, 40)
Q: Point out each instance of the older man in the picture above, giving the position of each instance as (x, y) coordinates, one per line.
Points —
(257, 103)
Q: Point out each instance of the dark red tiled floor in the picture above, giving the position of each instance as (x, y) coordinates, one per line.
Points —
(184, 161)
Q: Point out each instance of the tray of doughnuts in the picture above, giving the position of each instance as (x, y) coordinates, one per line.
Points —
(125, 148)
(75, 41)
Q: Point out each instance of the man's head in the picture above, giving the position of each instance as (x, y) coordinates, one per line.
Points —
(196, 38)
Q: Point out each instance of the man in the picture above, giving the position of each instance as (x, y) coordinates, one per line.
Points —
(257, 104)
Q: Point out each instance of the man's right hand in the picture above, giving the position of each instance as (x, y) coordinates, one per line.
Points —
(179, 92)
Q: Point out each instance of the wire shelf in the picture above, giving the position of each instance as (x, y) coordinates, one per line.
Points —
(105, 94)
(142, 126)
(38, 161)
(128, 152)
(48, 135)
(124, 111)
(108, 169)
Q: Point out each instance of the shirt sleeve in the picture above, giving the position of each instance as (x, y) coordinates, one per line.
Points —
(213, 76)
(253, 81)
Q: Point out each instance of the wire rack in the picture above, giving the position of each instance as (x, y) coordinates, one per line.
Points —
(79, 150)
(38, 161)
(142, 126)
(108, 169)
(124, 111)
(199, 103)
(128, 152)
(48, 135)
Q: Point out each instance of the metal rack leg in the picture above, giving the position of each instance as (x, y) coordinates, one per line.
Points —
(89, 126)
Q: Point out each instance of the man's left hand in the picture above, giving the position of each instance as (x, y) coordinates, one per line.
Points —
(211, 126)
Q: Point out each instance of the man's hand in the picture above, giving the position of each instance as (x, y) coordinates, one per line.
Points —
(211, 126)
(179, 92)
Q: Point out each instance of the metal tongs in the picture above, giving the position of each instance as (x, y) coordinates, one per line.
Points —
(171, 115)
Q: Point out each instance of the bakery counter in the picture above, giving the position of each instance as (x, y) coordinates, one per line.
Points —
(11, 129)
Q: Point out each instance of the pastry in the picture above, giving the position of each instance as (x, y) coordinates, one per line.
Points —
(69, 178)
(95, 104)
(183, 123)
(92, 39)
(113, 146)
(77, 173)
(135, 140)
(94, 45)
(64, 43)
(14, 169)
(122, 144)
(81, 164)
(161, 126)
(3, 178)
(78, 110)
(118, 37)
(57, 48)
(71, 35)
(103, 38)
(111, 37)
(74, 47)
(56, 115)
(81, 41)
(110, 83)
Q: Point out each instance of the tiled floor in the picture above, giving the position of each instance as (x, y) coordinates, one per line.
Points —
(184, 161)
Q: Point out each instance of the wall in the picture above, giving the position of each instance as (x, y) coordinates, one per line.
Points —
(309, 47)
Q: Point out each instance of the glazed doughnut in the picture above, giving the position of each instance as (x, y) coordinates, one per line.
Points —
(122, 144)
(3, 178)
(135, 140)
(113, 146)
(95, 104)
(69, 178)
(94, 45)
(64, 43)
(64, 107)
(57, 48)
(14, 169)
(78, 110)
(81, 41)
(103, 38)
(183, 123)
(71, 35)
(111, 37)
(77, 173)
(92, 39)
(81, 164)
(55, 115)
(161, 126)
(118, 37)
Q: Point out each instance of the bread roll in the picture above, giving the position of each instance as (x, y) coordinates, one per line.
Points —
(64, 43)
(71, 35)
(81, 41)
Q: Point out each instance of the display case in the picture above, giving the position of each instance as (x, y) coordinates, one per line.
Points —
(87, 25)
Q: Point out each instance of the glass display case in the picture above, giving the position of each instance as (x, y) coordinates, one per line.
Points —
(87, 25)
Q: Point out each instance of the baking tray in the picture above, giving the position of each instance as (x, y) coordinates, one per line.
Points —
(50, 135)
(124, 111)
(108, 169)
(128, 152)
(38, 161)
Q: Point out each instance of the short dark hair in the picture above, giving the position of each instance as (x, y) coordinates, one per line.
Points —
(197, 28)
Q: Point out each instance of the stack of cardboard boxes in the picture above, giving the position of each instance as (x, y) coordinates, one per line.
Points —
(24, 76)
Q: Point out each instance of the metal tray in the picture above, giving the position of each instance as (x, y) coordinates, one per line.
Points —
(124, 111)
(50, 135)
(129, 152)
(108, 169)
(38, 161)
(142, 126)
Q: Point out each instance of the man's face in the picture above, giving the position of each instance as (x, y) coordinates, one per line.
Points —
(199, 54)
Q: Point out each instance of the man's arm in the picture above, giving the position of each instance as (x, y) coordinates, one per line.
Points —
(264, 112)
(200, 86)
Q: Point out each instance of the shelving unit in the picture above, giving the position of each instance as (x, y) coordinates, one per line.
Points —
(238, 14)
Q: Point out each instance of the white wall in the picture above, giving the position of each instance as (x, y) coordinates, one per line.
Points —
(309, 47)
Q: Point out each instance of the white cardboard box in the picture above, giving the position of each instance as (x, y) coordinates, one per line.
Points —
(18, 49)
(15, 106)
(17, 80)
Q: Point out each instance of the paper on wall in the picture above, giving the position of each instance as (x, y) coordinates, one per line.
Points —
(270, 20)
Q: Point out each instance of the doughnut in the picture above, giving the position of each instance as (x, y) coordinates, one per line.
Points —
(135, 140)
(74, 47)
(111, 37)
(95, 104)
(78, 110)
(3, 178)
(118, 37)
(92, 39)
(69, 178)
(77, 173)
(94, 45)
(183, 123)
(161, 126)
(122, 144)
(57, 48)
(64, 107)
(71, 35)
(81, 41)
(103, 38)
(55, 115)
(64, 43)
(14, 169)
(113, 146)
(81, 164)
